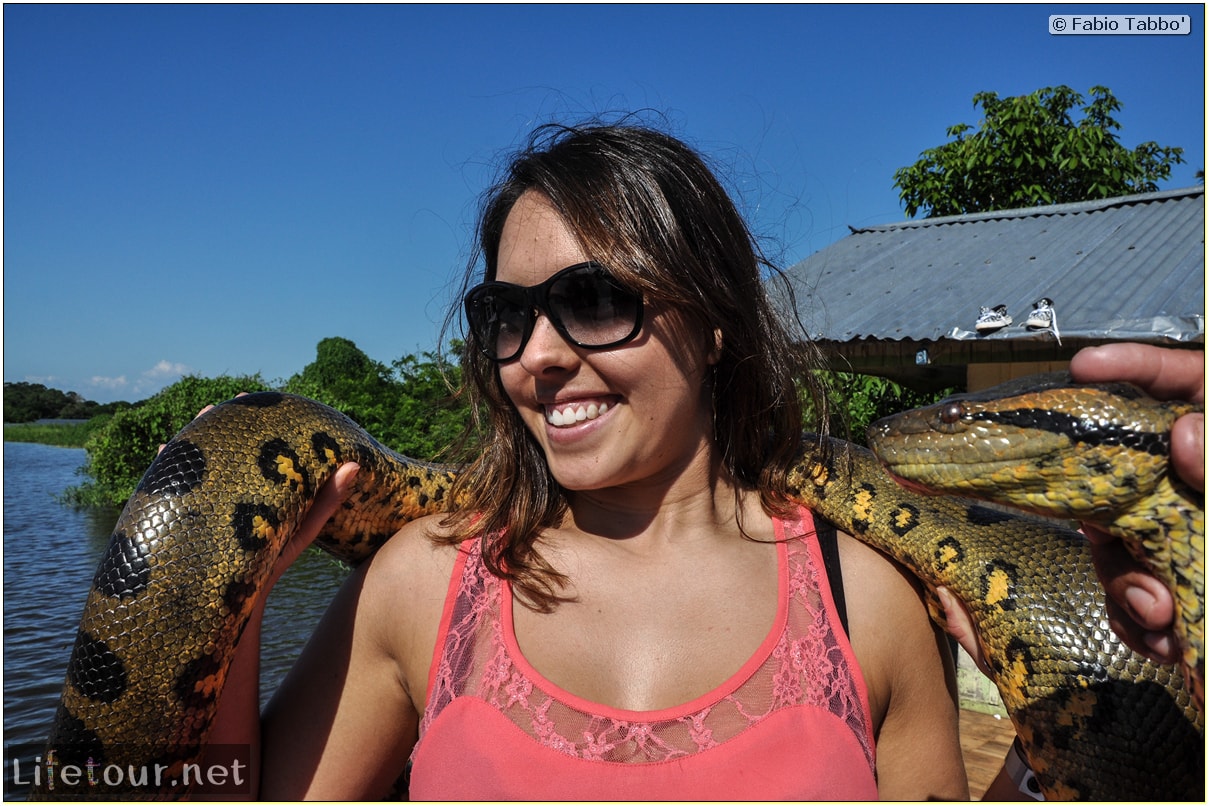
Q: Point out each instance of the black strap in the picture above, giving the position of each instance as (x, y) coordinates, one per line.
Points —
(829, 545)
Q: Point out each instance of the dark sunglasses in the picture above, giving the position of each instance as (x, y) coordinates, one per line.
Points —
(583, 302)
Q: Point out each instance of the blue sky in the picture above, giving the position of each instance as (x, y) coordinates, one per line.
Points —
(213, 189)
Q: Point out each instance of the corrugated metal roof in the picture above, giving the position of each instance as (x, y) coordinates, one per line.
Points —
(1128, 268)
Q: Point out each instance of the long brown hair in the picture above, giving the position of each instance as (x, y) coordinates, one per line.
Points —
(646, 205)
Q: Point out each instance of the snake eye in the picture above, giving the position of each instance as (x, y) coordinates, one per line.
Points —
(951, 413)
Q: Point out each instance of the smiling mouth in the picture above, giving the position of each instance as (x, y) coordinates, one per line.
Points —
(573, 413)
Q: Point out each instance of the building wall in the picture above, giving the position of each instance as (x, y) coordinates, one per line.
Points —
(984, 376)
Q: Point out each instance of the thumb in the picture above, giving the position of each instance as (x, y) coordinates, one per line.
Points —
(331, 496)
(959, 625)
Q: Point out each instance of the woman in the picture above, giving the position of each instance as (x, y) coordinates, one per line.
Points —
(627, 606)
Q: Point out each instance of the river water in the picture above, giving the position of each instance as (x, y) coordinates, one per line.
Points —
(50, 554)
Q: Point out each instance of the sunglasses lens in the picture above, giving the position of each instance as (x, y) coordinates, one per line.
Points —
(497, 318)
(593, 310)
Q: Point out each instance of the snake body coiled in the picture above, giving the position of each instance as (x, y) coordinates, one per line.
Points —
(191, 552)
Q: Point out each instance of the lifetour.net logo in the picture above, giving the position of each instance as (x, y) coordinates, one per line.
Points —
(69, 772)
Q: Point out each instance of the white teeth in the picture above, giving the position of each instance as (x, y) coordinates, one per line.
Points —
(575, 414)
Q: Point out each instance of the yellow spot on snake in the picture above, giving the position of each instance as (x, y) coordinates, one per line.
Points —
(1012, 684)
(210, 685)
(948, 554)
(261, 528)
(863, 506)
(1080, 705)
(998, 585)
(285, 466)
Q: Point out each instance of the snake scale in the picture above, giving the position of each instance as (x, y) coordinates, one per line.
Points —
(190, 552)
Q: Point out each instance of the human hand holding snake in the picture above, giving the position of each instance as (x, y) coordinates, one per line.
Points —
(331, 495)
(1140, 607)
(230, 726)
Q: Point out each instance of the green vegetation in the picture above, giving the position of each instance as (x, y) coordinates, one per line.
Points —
(26, 402)
(407, 406)
(857, 401)
(63, 435)
(1027, 151)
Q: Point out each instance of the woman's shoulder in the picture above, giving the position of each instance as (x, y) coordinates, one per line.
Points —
(403, 588)
(876, 587)
(414, 561)
(888, 620)
(868, 564)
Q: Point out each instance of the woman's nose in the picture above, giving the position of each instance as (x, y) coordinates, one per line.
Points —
(547, 349)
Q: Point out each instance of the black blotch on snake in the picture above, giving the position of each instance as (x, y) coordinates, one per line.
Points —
(95, 670)
(179, 468)
(123, 570)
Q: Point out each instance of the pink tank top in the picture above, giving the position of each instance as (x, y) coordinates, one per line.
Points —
(791, 724)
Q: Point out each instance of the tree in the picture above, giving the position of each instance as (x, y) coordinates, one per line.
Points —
(409, 407)
(26, 402)
(345, 378)
(1028, 150)
(431, 416)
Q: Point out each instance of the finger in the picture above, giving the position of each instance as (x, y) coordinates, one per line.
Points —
(1145, 599)
(329, 499)
(1188, 449)
(331, 495)
(1159, 646)
(959, 625)
(339, 487)
(1164, 373)
(1140, 608)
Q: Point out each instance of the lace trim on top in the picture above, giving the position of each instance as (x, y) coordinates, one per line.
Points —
(806, 666)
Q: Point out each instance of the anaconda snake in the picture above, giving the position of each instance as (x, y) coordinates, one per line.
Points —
(190, 552)
(1096, 453)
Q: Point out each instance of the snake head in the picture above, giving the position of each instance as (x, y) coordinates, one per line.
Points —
(1043, 444)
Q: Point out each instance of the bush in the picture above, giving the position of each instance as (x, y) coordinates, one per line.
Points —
(858, 401)
(124, 447)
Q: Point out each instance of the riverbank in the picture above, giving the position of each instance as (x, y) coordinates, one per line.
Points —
(60, 433)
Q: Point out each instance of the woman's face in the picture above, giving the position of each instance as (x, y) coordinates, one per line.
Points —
(605, 418)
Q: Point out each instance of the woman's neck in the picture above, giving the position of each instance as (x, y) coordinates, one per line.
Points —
(699, 501)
